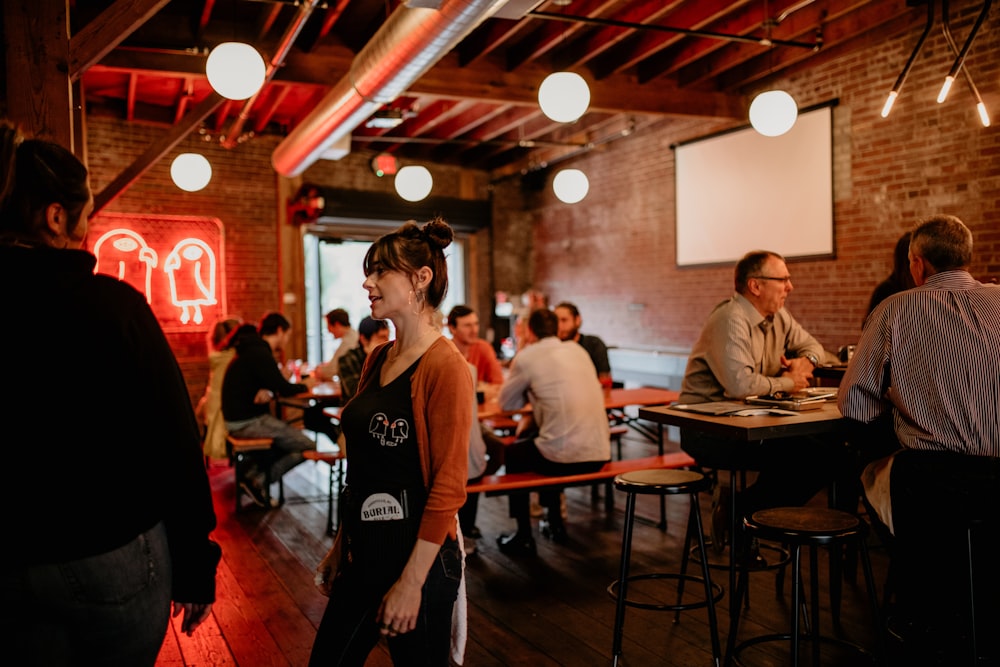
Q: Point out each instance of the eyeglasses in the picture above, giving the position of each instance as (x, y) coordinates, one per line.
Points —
(786, 279)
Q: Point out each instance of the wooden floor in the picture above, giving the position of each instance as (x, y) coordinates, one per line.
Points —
(550, 610)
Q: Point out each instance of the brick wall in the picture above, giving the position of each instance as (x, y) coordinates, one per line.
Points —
(241, 194)
(613, 254)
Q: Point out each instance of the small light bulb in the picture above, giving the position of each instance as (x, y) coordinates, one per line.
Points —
(984, 115)
(888, 103)
(943, 95)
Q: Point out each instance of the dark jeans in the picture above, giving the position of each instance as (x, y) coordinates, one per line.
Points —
(936, 495)
(110, 610)
(348, 631)
(790, 471)
(524, 456)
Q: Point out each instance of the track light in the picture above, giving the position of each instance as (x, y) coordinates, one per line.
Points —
(894, 93)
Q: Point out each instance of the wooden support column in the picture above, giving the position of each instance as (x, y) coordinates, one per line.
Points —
(39, 93)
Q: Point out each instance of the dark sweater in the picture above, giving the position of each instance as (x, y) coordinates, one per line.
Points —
(253, 369)
(108, 444)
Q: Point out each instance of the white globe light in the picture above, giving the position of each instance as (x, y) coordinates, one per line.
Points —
(414, 182)
(235, 70)
(570, 185)
(773, 113)
(190, 171)
(564, 96)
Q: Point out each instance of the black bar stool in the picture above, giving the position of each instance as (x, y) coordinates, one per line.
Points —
(663, 483)
(812, 527)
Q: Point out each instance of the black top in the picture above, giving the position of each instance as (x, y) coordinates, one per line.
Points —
(108, 442)
(252, 369)
(598, 352)
(382, 448)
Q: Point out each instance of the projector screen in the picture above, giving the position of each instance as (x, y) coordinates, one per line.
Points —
(742, 191)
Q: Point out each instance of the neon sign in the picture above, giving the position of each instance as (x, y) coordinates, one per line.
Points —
(186, 288)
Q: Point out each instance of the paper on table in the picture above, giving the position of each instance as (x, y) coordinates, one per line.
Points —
(756, 412)
(732, 408)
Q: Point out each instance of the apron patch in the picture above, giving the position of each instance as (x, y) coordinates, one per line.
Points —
(381, 507)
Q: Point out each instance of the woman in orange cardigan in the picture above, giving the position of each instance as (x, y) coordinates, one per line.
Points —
(396, 565)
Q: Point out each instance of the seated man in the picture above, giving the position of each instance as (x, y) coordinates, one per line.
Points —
(463, 324)
(752, 345)
(338, 323)
(569, 329)
(254, 369)
(567, 432)
(929, 358)
(371, 334)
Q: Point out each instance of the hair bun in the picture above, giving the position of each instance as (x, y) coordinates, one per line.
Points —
(438, 232)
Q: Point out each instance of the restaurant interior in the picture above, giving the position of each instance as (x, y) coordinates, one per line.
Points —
(355, 91)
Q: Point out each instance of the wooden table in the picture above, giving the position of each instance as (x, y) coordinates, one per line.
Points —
(326, 394)
(825, 419)
(615, 401)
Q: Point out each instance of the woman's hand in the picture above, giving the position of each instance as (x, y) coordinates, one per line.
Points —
(400, 608)
(401, 605)
(194, 615)
(328, 568)
(263, 396)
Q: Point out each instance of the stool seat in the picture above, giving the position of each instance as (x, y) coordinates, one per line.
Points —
(810, 527)
(804, 525)
(662, 483)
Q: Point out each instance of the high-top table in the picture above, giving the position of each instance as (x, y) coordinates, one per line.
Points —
(757, 428)
(825, 419)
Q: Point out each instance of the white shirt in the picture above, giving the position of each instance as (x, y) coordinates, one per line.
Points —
(567, 402)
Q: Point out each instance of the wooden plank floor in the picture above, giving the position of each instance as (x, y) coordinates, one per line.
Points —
(549, 610)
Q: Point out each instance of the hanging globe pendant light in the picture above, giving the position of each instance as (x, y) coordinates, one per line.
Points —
(773, 113)
(235, 70)
(564, 96)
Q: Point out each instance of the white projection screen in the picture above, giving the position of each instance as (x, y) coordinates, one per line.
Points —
(742, 191)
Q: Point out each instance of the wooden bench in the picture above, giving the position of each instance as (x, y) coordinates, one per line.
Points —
(332, 459)
(500, 485)
(241, 451)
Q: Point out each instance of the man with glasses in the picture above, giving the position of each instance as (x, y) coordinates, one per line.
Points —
(751, 345)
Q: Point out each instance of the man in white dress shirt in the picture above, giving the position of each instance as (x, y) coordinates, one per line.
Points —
(567, 432)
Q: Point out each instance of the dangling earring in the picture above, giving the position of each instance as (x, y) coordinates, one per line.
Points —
(420, 302)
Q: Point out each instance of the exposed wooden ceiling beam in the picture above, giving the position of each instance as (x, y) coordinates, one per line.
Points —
(100, 36)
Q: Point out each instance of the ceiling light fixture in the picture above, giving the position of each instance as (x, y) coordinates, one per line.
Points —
(386, 119)
(235, 70)
(190, 171)
(894, 93)
(984, 116)
(564, 96)
(773, 112)
(414, 182)
(570, 186)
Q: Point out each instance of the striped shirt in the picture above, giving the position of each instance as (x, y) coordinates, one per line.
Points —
(932, 355)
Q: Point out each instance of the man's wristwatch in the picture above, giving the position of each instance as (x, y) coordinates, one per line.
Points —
(812, 358)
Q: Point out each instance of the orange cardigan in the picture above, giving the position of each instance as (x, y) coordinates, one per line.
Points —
(441, 390)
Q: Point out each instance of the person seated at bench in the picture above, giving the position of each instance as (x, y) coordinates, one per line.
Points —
(247, 416)
(567, 433)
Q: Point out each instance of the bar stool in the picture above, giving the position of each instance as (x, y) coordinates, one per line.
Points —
(780, 557)
(798, 527)
(663, 482)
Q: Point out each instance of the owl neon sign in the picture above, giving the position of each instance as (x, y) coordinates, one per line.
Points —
(172, 260)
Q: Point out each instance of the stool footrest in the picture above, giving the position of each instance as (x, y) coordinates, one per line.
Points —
(823, 639)
(717, 592)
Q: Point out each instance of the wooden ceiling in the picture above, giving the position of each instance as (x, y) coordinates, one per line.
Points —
(477, 105)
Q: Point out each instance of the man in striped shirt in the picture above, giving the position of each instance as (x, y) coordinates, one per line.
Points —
(929, 358)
